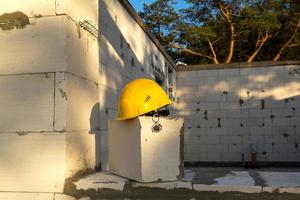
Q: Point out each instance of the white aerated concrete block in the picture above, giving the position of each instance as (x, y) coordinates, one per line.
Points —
(83, 11)
(257, 139)
(195, 132)
(238, 131)
(261, 130)
(187, 74)
(217, 148)
(279, 157)
(295, 156)
(193, 157)
(80, 152)
(187, 90)
(250, 122)
(212, 156)
(61, 99)
(32, 162)
(284, 148)
(196, 147)
(82, 50)
(26, 196)
(206, 73)
(231, 123)
(36, 48)
(238, 113)
(77, 105)
(192, 81)
(231, 157)
(210, 106)
(209, 139)
(192, 141)
(259, 113)
(230, 139)
(138, 153)
(244, 148)
(83, 109)
(27, 102)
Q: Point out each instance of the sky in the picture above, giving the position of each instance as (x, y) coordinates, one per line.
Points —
(138, 4)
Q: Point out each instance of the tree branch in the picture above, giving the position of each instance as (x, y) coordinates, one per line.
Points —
(190, 51)
(292, 45)
(213, 51)
(261, 40)
(226, 15)
(287, 44)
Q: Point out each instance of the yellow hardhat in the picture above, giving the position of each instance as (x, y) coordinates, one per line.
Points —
(140, 97)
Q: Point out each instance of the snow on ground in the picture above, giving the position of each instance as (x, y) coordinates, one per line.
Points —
(281, 179)
(189, 175)
(236, 178)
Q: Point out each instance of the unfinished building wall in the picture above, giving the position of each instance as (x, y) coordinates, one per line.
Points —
(48, 84)
(126, 53)
(79, 84)
(32, 153)
(53, 85)
(228, 110)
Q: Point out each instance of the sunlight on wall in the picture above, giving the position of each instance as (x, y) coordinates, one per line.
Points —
(227, 110)
(277, 93)
(220, 86)
(33, 162)
(261, 78)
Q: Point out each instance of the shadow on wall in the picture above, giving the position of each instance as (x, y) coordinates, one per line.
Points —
(94, 119)
(226, 110)
(95, 129)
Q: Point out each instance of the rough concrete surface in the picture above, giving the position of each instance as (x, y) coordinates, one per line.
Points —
(207, 183)
(100, 181)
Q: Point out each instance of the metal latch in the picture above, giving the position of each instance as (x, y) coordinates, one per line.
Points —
(157, 127)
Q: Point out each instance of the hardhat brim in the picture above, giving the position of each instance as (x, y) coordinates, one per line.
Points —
(142, 113)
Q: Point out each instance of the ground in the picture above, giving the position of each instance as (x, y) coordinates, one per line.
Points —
(203, 183)
(181, 195)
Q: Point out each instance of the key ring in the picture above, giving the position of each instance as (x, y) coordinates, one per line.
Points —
(157, 127)
(153, 118)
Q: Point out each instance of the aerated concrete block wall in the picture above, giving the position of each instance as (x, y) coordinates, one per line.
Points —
(228, 110)
(60, 79)
(48, 87)
(126, 53)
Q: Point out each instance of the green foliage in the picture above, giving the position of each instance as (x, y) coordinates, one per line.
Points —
(161, 18)
(259, 19)
(206, 31)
